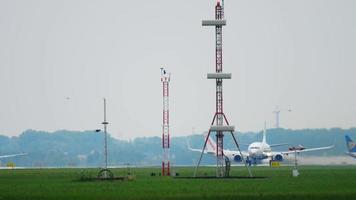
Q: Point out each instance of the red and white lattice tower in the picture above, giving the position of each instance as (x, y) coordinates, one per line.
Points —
(165, 79)
(219, 123)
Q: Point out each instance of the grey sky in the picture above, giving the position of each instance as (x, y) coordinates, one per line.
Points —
(280, 52)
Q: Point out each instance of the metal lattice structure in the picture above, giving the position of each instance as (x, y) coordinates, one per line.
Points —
(105, 173)
(165, 79)
(219, 123)
(105, 123)
(219, 95)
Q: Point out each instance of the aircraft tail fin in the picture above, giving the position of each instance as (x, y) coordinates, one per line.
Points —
(210, 145)
(351, 145)
(264, 139)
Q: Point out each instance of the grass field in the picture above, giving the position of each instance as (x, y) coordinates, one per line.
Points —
(314, 183)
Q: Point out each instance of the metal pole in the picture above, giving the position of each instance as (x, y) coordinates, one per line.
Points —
(201, 155)
(165, 79)
(242, 156)
(295, 159)
(105, 123)
(238, 147)
(277, 119)
(295, 171)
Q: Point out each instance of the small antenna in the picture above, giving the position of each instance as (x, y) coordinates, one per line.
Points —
(265, 124)
(277, 113)
(105, 123)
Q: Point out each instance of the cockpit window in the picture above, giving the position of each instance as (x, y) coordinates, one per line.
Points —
(255, 147)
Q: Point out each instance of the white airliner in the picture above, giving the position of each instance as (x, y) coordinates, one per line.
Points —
(351, 146)
(258, 152)
(12, 155)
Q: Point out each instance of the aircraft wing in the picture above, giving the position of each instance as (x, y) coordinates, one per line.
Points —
(308, 150)
(278, 145)
(245, 153)
(205, 151)
(199, 150)
(233, 153)
(12, 155)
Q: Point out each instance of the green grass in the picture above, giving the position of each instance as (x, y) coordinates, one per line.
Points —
(314, 183)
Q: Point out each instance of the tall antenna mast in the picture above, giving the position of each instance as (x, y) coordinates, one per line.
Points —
(105, 173)
(165, 79)
(105, 123)
(219, 123)
(277, 111)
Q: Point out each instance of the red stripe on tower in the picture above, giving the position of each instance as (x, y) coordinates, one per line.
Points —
(165, 79)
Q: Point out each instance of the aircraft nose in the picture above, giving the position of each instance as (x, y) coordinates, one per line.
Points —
(253, 152)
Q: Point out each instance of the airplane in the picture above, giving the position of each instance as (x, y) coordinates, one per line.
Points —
(12, 155)
(258, 152)
(351, 146)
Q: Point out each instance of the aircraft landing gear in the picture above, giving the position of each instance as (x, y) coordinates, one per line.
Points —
(248, 161)
(255, 162)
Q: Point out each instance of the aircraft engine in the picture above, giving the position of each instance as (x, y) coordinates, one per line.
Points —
(278, 157)
(237, 158)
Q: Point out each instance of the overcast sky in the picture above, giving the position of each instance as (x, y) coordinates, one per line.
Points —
(280, 52)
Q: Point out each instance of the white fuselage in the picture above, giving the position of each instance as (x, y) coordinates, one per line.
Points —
(259, 151)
